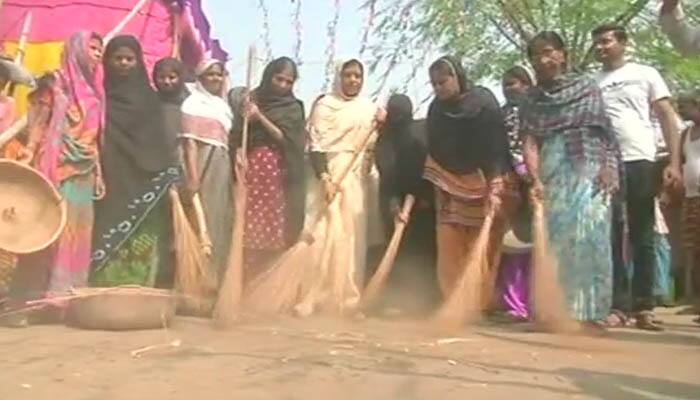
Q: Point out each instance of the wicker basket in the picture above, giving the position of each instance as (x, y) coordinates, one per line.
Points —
(121, 308)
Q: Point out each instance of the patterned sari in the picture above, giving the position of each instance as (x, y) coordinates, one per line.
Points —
(70, 124)
(576, 149)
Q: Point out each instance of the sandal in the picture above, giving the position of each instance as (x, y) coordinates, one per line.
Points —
(617, 319)
(647, 322)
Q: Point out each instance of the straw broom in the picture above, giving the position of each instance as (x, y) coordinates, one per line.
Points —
(228, 305)
(465, 301)
(378, 281)
(547, 295)
(277, 290)
(192, 278)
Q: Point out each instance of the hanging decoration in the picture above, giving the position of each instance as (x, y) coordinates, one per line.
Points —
(298, 30)
(266, 30)
(332, 33)
(371, 14)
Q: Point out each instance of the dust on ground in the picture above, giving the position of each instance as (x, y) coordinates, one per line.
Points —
(374, 359)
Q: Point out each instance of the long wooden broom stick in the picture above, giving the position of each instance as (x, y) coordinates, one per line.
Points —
(465, 302)
(228, 305)
(277, 290)
(378, 281)
(122, 24)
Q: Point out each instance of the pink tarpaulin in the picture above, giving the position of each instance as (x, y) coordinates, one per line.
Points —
(56, 20)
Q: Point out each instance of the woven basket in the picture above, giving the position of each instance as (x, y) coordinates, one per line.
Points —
(121, 308)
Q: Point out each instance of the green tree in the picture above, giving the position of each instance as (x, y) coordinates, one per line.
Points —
(490, 36)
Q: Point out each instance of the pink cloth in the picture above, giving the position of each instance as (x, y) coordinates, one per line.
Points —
(77, 114)
(56, 20)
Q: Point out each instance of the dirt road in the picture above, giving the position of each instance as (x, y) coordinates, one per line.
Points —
(367, 360)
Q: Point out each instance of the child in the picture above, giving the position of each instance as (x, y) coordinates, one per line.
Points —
(689, 108)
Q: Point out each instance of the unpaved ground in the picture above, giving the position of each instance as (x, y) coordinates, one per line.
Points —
(368, 360)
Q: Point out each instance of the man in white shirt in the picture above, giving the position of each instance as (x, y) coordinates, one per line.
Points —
(631, 93)
(684, 37)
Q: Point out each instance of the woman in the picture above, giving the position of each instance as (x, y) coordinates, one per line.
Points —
(140, 164)
(401, 151)
(469, 165)
(514, 274)
(573, 157)
(207, 121)
(340, 124)
(169, 78)
(275, 173)
(65, 122)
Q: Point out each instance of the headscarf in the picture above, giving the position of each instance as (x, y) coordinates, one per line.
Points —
(207, 117)
(339, 123)
(401, 148)
(573, 106)
(134, 121)
(77, 113)
(468, 134)
(286, 112)
(180, 93)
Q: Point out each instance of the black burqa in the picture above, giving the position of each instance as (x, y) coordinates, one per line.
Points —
(400, 153)
(171, 100)
(286, 112)
(468, 133)
(137, 154)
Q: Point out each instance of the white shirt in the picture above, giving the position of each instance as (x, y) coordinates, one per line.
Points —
(629, 92)
(691, 168)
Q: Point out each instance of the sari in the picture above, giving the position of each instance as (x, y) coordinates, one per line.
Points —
(69, 120)
(576, 147)
(275, 175)
(468, 157)
(337, 127)
(140, 164)
(207, 120)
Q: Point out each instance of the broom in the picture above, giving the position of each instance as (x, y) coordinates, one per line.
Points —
(378, 281)
(547, 295)
(465, 301)
(228, 305)
(277, 290)
(192, 279)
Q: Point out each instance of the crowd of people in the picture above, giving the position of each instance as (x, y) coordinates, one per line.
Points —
(583, 145)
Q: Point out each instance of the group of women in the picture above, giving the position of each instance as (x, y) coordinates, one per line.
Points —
(114, 147)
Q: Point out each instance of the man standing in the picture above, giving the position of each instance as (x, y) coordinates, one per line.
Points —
(632, 92)
(684, 37)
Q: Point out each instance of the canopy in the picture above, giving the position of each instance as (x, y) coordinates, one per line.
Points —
(53, 21)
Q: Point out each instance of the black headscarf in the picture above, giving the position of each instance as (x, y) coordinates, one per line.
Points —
(134, 122)
(469, 133)
(287, 113)
(400, 154)
(179, 94)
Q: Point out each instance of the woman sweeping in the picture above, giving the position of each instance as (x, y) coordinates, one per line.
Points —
(401, 151)
(207, 121)
(514, 272)
(573, 157)
(140, 164)
(340, 122)
(469, 165)
(168, 76)
(65, 123)
(275, 173)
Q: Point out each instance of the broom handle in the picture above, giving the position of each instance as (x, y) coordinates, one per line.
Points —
(248, 84)
(125, 21)
(13, 130)
(376, 284)
(204, 238)
(348, 168)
